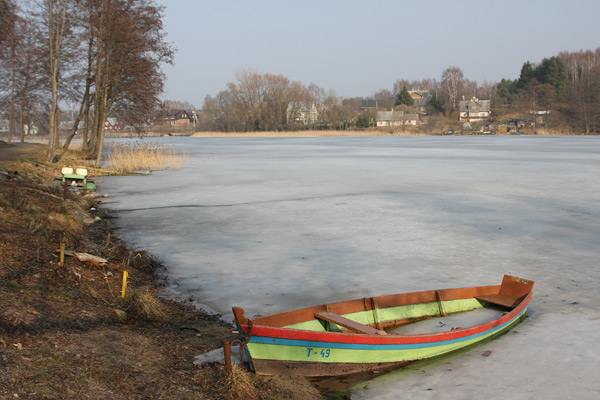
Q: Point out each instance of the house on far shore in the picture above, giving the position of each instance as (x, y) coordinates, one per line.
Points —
(302, 114)
(474, 110)
(396, 118)
(179, 118)
(110, 125)
(369, 104)
(28, 129)
(421, 99)
(113, 125)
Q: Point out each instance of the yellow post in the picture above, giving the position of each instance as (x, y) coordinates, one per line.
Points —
(124, 289)
(62, 248)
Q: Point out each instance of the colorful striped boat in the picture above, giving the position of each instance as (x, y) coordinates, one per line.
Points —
(363, 335)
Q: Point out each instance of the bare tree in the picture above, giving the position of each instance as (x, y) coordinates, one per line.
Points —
(8, 16)
(429, 84)
(210, 117)
(9, 42)
(231, 118)
(276, 98)
(30, 79)
(282, 99)
(452, 84)
(12, 43)
(318, 94)
(104, 55)
(333, 117)
(177, 105)
(129, 51)
(486, 90)
(86, 18)
(385, 98)
(55, 15)
(583, 68)
(258, 102)
(248, 97)
(432, 85)
(348, 110)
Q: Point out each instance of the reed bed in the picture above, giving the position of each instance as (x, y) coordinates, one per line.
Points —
(144, 156)
(310, 133)
(557, 132)
(374, 132)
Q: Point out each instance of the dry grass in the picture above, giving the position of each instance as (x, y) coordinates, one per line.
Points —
(369, 132)
(59, 335)
(242, 384)
(239, 385)
(144, 303)
(553, 132)
(141, 156)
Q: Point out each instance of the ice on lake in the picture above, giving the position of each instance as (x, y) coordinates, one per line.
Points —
(275, 224)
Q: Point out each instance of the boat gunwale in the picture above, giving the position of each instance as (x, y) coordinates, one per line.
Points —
(290, 317)
(396, 338)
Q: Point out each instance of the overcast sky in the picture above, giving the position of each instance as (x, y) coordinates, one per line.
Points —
(359, 47)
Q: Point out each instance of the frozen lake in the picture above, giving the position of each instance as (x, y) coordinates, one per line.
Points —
(274, 224)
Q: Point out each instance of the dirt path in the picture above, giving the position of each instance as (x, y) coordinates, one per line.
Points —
(15, 151)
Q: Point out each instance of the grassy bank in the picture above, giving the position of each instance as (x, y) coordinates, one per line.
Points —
(65, 332)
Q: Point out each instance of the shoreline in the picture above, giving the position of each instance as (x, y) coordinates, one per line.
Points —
(375, 132)
(65, 331)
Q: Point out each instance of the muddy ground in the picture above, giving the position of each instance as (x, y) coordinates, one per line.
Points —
(65, 331)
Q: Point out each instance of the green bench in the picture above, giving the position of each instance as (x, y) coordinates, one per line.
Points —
(76, 179)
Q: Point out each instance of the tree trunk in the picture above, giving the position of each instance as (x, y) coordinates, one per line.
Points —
(86, 127)
(78, 119)
(24, 94)
(56, 27)
(21, 115)
(102, 109)
(84, 107)
(12, 90)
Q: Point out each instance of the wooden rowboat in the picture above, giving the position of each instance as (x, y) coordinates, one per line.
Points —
(362, 335)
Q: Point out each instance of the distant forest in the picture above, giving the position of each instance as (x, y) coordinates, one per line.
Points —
(69, 66)
(566, 85)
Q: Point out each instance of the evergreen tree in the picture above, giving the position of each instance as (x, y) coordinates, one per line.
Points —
(435, 105)
(506, 90)
(363, 122)
(404, 98)
(553, 71)
(527, 74)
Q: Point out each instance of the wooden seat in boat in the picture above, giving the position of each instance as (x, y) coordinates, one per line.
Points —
(348, 323)
(512, 291)
(504, 301)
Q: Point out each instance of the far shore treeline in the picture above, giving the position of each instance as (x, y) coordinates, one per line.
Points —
(564, 88)
(81, 68)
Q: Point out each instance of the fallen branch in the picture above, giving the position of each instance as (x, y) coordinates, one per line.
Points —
(86, 257)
